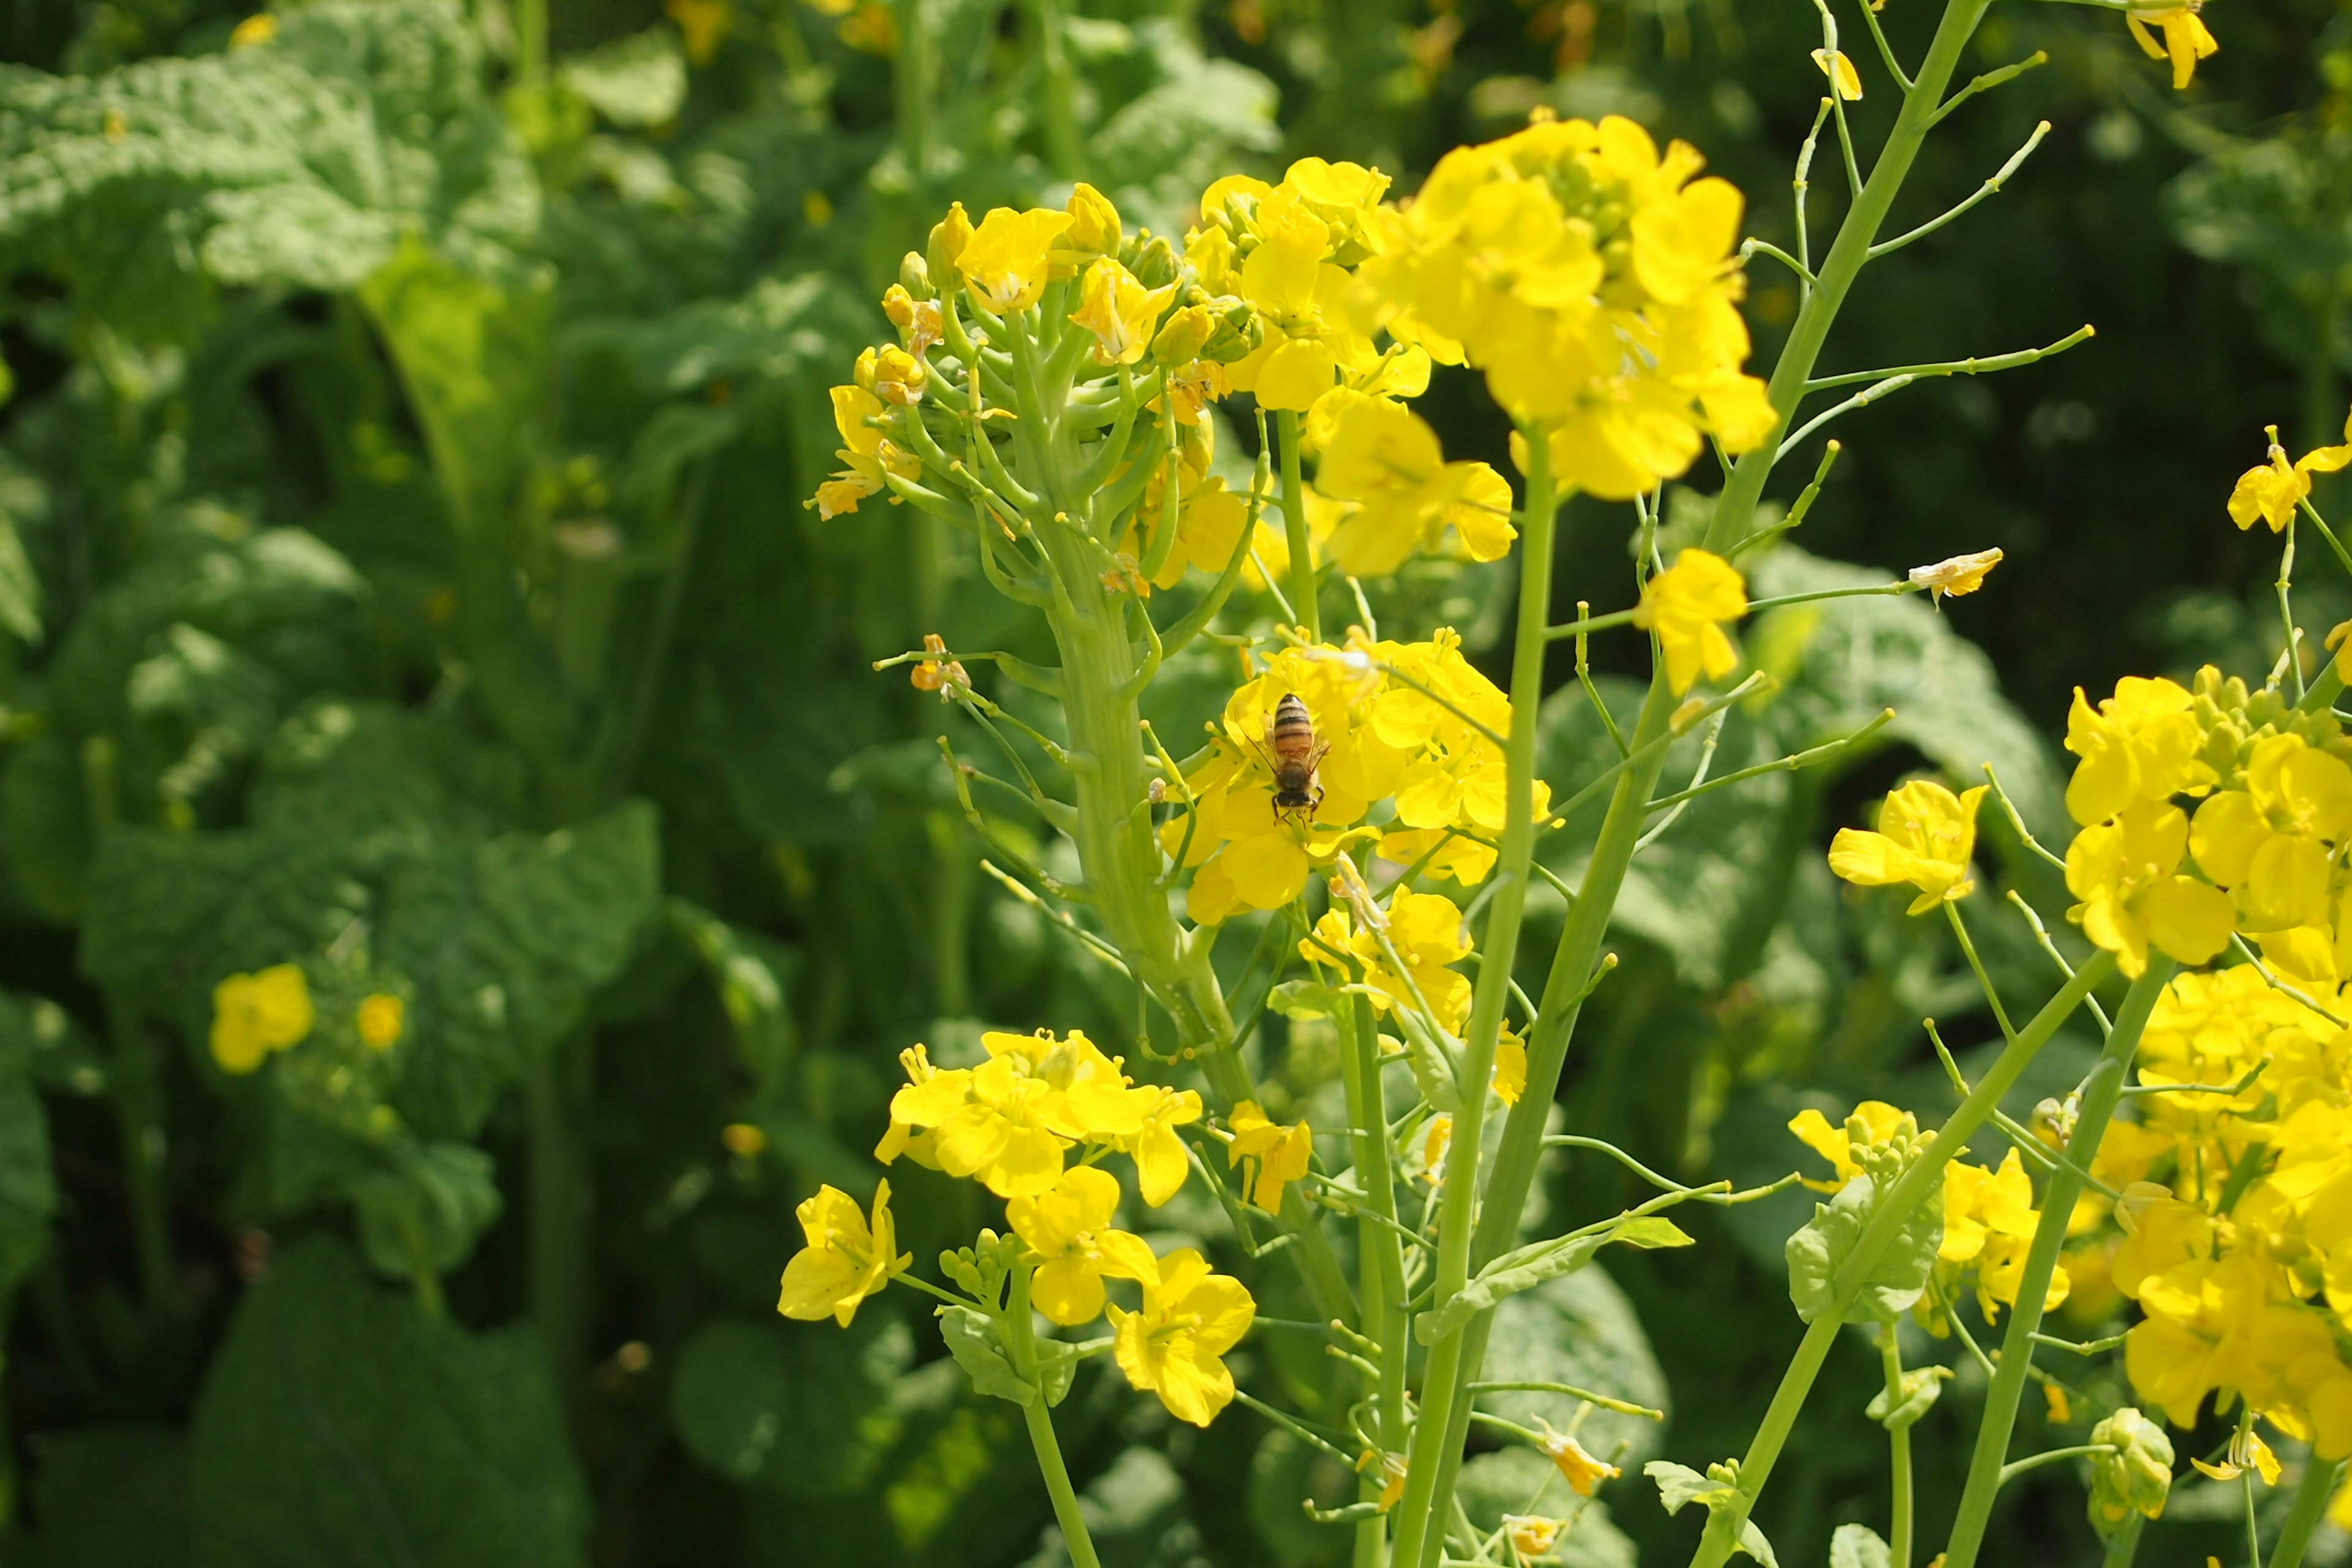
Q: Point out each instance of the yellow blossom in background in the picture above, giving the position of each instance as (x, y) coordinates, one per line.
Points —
(1960, 575)
(1926, 838)
(257, 29)
(254, 1014)
(1006, 262)
(1281, 1152)
(380, 1019)
(2272, 492)
(1843, 76)
(1119, 311)
(1583, 1471)
(2186, 41)
(2140, 745)
(2059, 1408)
(1385, 459)
(1988, 1225)
(1172, 1347)
(846, 1258)
(1686, 606)
(744, 1139)
(1873, 1121)
(2125, 872)
(1069, 1229)
(702, 25)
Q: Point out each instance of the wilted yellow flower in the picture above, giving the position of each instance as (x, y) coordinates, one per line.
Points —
(1926, 838)
(846, 1259)
(1583, 1471)
(894, 375)
(1532, 1535)
(1191, 1318)
(919, 321)
(2273, 491)
(380, 1020)
(254, 1014)
(2247, 1451)
(867, 452)
(1686, 604)
(1843, 76)
(1281, 1152)
(1959, 576)
(1069, 1229)
(1118, 311)
(2186, 41)
(1006, 262)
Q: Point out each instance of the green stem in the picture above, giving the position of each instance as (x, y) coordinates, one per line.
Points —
(1898, 1443)
(1022, 1343)
(421, 1272)
(1293, 528)
(530, 41)
(1844, 264)
(2016, 1358)
(1916, 1186)
(1434, 1457)
(1057, 104)
(560, 1200)
(2124, 1544)
(2311, 1496)
(1378, 1246)
(138, 1095)
(911, 86)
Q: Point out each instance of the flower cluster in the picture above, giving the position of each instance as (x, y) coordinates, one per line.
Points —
(1406, 724)
(272, 1010)
(1594, 280)
(1012, 1124)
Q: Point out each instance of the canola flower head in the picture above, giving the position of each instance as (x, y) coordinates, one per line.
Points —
(2134, 895)
(254, 1014)
(2272, 492)
(1874, 1123)
(1069, 1230)
(1008, 260)
(259, 28)
(380, 1020)
(1925, 839)
(848, 1256)
(1174, 1344)
(1687, 605)
(1009, 1121)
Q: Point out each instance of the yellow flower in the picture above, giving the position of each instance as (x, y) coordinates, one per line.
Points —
(1873, 1121)
(2273, 491)
(920, 322)
(1926, 838)
(257, 29)
(894, 375)
(1095, 227)
(2186, 41)
(868, 454)
(1391, 1467)
(1161, 1162)
(2141, 744)
(1425, 930)
(1069, 1229)
(1841, 72)
(1989, 1221)
(2061, 1408)
(1532, 1535)
(701, 24)
(1172, 1347)
(2272, 842)
(1510, 1066)
(1686, 606)
(1583, 1471)
(744, 1138)
(1281, 1152)
(1385, 458)
(1005, 264)
(1118, 311)
(2126, 873)
(845, 1260)
(2247, 1451)
(1959, 576)
(380, 1020)
(1008, 1120)
(254, 1014)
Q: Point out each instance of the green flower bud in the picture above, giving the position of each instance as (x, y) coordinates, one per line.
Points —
(915, 276)
(2136, 1477)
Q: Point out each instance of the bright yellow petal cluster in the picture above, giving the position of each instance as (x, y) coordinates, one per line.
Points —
(1008, 260)
(1688, 605)
(1873, 1124)
(2186, 41)
(1989, 1224)
(848, 1258)
(1595, 281)
(2272, 492)
(867, 456)
(1383, 463)
(1174, 1345)
(1279, 1154)
(1120, 312)
(254, 1014)
(1068, 1228)
(1926, 838)
(1427, 933)
(1009, 1121)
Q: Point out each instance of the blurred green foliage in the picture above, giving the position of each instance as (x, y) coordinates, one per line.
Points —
(403, 574)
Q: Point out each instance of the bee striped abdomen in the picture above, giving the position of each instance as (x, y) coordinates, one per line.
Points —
(1292, 752)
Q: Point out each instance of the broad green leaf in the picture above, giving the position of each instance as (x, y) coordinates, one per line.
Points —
(337, 1424)
(637, 80)
(1819, 1251)
(1857, 1546)
(808, 1409)
(741, 967)
(1530, 1265)
(111, 1495)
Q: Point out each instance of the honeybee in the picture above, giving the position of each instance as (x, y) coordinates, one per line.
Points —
(1292, 750)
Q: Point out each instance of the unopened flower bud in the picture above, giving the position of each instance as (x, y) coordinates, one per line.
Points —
(915, 275)
(949, 237)
(2136, 1477)
(1095, 228)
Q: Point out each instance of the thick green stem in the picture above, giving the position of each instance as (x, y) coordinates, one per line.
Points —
(2124, 1544)
(2099, 1100)
(1418, 1532)
(1848, 252)
(1379, 1262)
(1898, 1443)
(2311, 1498)
(560, 1201)
(1917, 1186)
(1293, 528)
(1021, 1337)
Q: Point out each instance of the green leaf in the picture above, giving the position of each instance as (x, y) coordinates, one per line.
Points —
(807, 1408)
(428, 1211)
(1858, 1546)
(1679, 1485)
(973, 1340)
(637, 80)
(1530, 1265)
(111, 1495)
(337, 1424)
(1819, 1251)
